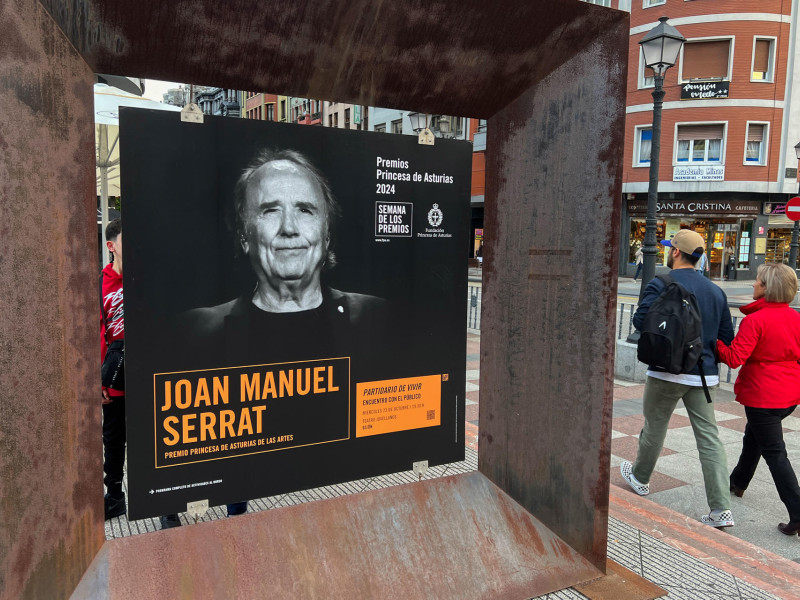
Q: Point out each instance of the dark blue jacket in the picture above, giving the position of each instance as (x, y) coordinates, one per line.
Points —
(714, 312)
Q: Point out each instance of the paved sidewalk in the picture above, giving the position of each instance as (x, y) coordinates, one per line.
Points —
(657, 537)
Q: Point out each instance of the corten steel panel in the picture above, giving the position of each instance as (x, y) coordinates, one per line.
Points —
(443, 56)
(51, 523)
(459, 537)
(465, 57)
(549, 286)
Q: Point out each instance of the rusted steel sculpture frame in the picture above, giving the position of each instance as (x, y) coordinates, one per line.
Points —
(549, 76)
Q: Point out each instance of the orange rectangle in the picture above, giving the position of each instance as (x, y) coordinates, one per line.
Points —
(398, 405)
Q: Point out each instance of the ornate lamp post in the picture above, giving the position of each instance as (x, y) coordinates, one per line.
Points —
(660, 47)
(796, 229)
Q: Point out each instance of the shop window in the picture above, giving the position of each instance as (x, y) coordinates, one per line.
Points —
(745, 241)
(763, 60)
(700, 144)
(644, 143)
(755, 145)
(708, 59)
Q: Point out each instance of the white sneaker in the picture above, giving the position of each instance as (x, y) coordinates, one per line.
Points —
(626, 469)
(718, 518)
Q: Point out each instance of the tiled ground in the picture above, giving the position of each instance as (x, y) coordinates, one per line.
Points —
(677, 482)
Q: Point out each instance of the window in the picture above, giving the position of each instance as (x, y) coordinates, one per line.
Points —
(755, 144)
(644, 143)
(347, 118)
(700, 144)
(397, 126)
(599, 2)
(270, 112)
(380, 128)
(763, 60)
(706, 60)
(649, 3)
(646, 76)
(336, 119)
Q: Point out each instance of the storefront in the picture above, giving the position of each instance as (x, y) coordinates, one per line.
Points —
(727, 226)
(778, 232)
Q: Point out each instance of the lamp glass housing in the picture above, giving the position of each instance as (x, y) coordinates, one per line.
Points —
(661, 47)
(418, 121)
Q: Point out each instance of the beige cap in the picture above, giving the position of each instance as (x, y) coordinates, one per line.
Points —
(687, 241)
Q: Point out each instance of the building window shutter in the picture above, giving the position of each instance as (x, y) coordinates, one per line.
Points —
(755, 133)
(705, 60)
(761, 57)
(700, 132)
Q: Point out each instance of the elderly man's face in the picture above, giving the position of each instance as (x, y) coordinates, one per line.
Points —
(286, 223)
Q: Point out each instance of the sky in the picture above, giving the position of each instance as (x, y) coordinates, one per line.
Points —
(154, 89)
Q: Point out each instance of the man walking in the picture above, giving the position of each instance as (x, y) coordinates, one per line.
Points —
(663, 390)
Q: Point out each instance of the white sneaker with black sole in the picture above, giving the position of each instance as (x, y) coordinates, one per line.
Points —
(718, 518)
(626, 469)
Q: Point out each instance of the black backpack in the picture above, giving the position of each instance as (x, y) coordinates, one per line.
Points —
(671, 337)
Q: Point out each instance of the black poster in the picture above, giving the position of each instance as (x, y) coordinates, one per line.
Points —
(295, 306)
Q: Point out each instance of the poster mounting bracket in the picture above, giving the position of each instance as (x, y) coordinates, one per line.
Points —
(197, 509)
(191, 113)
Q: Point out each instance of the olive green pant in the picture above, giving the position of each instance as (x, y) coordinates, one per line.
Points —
(660, 399)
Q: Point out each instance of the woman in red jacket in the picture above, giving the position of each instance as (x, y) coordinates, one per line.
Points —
(768, 345)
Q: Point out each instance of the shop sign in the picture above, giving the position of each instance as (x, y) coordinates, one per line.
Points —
(774, 208)
(683, 207)
(698, 173)
(707, 90)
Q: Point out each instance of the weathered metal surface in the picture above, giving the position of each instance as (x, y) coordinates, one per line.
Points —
(466, 58)
(547, 348)
(458, 537)
(51, 522)
(549, 272)
(620, 583)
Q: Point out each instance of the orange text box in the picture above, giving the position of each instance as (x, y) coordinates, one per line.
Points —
(398, 405)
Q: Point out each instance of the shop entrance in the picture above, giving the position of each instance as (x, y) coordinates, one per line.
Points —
(721, 247)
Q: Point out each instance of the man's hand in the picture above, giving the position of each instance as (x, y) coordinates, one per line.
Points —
(106, 398)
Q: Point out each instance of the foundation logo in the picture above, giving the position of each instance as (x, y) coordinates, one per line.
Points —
(435, 216)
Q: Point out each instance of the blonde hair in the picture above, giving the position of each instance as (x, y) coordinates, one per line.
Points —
(779, 280)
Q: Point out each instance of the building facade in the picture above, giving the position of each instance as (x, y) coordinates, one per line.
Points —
(260, 106)
(218, 101)
(345, 116)
(730, 121)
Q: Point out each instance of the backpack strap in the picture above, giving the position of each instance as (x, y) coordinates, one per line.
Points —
(666, 279)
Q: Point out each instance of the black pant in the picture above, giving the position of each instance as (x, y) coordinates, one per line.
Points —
(763, 436)
(114, 444)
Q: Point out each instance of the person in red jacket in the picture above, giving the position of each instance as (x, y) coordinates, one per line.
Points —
(112, 324)
(768, 347)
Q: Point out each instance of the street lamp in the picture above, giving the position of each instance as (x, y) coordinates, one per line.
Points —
(419, 123)
(660, 47)
(796, 229)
